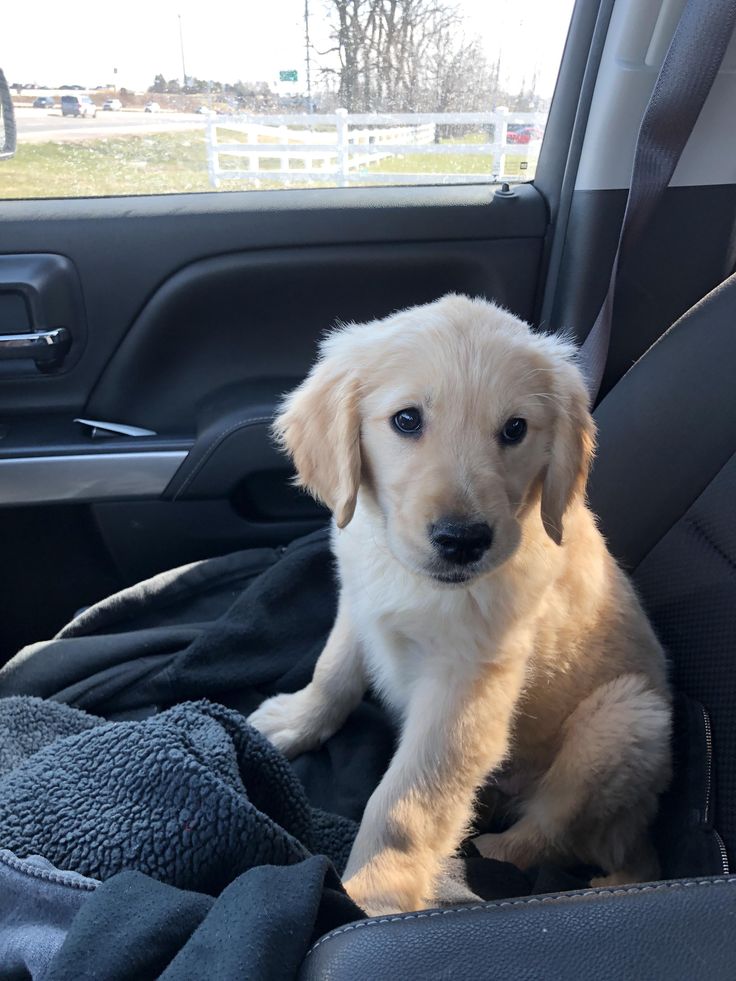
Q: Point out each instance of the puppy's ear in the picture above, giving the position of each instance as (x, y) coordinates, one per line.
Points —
(319, 427)
(573, 445)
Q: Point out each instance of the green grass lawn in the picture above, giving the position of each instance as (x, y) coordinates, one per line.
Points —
(440, 163)
(153, 164)
(172, 163)
(435, 163)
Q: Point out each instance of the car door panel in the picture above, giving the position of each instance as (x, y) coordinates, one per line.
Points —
(123, 250)
(258, 315)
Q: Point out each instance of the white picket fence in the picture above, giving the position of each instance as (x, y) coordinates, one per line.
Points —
(341, 149)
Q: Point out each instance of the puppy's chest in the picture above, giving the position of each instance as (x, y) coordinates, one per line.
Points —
(407, 647)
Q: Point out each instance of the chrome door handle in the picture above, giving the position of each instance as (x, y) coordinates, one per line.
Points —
(47, 348)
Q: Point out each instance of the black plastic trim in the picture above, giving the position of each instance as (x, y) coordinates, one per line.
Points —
(563, 143)
(58, 435)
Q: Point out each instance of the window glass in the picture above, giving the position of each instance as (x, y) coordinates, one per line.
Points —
(166, 97)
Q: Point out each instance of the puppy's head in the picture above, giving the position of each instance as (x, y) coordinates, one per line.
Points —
(451, 420)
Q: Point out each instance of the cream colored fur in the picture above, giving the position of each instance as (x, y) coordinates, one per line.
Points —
(540, 672)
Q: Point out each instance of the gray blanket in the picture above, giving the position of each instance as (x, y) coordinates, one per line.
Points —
(193, 796)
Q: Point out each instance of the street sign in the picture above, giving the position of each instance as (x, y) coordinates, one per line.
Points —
(289, 76)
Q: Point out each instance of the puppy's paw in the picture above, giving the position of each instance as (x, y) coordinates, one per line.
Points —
(508, 846)
(382, 886)
(377, 901)
(491, 846)
(290, 722)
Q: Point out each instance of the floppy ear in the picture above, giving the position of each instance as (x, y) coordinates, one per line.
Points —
(319, 427)
(573, 445)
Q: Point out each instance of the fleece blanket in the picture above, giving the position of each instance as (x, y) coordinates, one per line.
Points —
(233, 630)
(192, 797)
(210, 816)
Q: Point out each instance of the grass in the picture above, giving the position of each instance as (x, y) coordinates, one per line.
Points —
(445, 163)
(449, 163)
(120, 165)
(172, 163)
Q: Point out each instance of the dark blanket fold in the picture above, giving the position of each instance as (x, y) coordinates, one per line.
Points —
(258, 929)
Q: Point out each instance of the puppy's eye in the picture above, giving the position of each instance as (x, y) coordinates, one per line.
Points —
(514, 431)
(408, 422)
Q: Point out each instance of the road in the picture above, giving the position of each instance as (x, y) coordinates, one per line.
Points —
(42, 125)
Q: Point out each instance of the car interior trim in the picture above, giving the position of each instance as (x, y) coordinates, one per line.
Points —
(87, 477)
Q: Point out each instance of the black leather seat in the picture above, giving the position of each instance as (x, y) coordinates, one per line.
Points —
(669, 930)
(664, 487)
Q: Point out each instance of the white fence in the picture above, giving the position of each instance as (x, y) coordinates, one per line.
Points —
(343, 149)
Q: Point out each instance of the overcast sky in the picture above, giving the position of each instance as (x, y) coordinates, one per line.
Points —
(54, 43)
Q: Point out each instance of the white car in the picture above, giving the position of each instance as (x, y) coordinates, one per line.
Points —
(206, 111)
(78, 105)
(152, 107)
(112, 105)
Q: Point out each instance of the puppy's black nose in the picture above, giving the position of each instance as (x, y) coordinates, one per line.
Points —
(461, 543)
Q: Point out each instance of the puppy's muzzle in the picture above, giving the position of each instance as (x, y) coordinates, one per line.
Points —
(460, 543)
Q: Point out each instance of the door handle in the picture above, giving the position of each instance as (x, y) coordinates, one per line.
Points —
(47, 348)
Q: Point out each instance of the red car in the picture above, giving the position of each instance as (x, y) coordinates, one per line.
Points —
(524, 134)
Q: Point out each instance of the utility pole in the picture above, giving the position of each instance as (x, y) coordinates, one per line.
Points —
(310, 106)
(181, 45)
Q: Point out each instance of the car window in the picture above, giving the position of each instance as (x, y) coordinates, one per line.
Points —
(300, 93)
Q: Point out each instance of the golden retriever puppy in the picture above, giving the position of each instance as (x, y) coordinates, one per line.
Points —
(477, 598)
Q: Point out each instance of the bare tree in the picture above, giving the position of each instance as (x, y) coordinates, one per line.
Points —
(406, 55)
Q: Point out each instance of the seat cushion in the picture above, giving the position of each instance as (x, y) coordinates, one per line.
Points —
(663, 487)
(667, 428)
(661, 932)
(688, 585)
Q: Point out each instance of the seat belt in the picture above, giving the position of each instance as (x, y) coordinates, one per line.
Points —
(682, 86)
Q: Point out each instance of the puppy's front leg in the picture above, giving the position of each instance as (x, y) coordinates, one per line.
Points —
(305, 719)
(455, 733)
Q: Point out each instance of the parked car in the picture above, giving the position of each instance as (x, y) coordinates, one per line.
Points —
(78, 105)
(152, 107)
(524, 133)
(43, 102)
(112, 105)
(206, 111)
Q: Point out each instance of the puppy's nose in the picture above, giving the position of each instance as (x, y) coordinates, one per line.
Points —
(461, 543)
